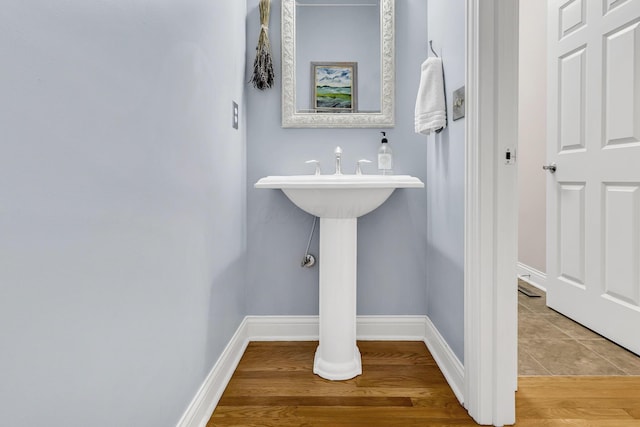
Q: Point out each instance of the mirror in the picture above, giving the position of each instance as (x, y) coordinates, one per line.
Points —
(338, 63)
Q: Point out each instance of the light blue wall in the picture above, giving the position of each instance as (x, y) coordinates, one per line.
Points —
(445, 174)
(391, 240)
(122, 207)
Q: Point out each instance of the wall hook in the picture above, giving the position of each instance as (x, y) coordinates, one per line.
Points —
(431, 47)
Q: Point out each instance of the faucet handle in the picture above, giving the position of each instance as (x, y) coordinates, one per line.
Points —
(359, 163)
(317, 163)
(337, 151)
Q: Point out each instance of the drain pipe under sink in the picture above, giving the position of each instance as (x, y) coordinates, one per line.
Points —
(309, 260)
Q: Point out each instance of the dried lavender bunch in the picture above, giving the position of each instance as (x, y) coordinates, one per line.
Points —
(263, 75)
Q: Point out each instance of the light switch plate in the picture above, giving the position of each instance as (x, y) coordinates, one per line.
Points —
(235, 115)
(458, 103)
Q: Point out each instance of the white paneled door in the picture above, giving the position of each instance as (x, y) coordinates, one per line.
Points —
(593, 197)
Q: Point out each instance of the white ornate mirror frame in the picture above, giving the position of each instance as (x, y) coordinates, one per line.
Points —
(291, 118)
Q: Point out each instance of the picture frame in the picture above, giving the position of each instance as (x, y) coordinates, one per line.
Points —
(334, 87)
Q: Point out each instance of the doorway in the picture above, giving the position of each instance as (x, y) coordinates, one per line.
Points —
(549, 343)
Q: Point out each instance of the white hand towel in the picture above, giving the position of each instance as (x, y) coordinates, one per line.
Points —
(431, 114)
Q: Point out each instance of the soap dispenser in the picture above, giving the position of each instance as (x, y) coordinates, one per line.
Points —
(385, 158)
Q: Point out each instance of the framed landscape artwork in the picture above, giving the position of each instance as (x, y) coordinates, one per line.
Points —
(334, 87)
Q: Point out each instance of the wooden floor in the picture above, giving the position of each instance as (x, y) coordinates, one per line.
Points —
(402, 386)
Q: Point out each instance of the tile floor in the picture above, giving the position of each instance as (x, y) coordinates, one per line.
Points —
(551, 344)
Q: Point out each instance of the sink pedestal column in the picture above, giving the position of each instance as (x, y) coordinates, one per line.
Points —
(337, 356)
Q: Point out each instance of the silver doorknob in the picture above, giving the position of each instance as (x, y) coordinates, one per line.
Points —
(551, 167)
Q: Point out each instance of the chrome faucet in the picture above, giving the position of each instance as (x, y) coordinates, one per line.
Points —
(317, 163)
(338, 153)
(359, 167)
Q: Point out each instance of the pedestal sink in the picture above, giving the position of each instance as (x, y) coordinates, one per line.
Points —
(338, 200)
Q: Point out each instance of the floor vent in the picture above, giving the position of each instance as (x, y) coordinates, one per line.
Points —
(528, 292)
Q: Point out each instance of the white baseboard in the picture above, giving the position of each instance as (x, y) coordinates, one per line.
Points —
(532, 276)
(306, 328)
(390, 328)
(447, 361)
(282, 328)
(201, 407)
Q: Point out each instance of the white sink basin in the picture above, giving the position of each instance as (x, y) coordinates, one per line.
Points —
(338, 200)
(339, 196)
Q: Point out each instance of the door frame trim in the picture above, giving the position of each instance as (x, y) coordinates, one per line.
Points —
(490, 325)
